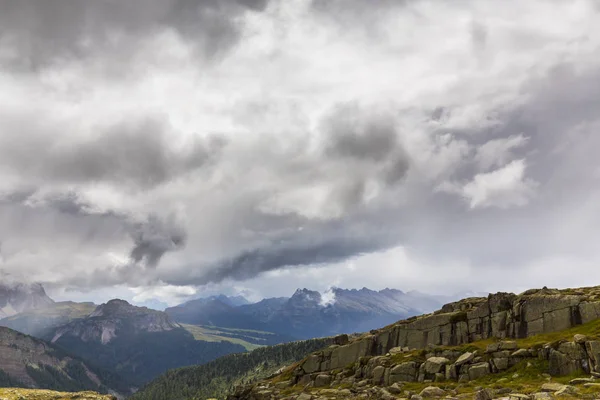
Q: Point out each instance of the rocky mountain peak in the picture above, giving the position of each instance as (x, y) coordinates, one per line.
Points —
(114, 318)
(18, 297)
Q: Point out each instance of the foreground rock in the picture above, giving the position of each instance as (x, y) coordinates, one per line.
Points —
(35, 394)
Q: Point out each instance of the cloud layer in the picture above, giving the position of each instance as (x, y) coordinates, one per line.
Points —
(168, 145)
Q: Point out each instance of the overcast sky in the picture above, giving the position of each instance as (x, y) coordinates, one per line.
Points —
(167, 149)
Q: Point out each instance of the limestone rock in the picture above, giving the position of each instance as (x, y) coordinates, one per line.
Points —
(552, 387)
(434, 365)
(484, 394)
(378, 373)
(406, 372)
(432, 391)
(477, 371)
(542, 396)
(521, 353)
(465, 358)
(579, 338)
(593, 350)
(322, 380)
(568, 391)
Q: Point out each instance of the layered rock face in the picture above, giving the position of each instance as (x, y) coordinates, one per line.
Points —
(501, 315)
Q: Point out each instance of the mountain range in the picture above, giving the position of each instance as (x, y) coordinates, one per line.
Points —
(307, 313)
(139, 343)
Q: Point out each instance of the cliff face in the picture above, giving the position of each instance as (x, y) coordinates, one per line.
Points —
(501, 315)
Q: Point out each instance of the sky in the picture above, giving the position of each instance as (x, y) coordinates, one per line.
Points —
(160, 150)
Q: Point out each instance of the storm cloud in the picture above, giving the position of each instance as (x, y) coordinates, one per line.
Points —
(173, 146)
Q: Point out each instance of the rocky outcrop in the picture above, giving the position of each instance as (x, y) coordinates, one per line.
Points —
(501, 315)
(377, 358)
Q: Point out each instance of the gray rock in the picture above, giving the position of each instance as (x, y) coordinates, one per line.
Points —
(552, 387)
(312, 364)
(405, 372)
(521, 353)
(541, 396)
(501, 364)
(579, 338)
(580, 381)
(567, 391)
(304, 396)
(432, 391)
(465, 358)
(484, 394)
(322, 380)
(479, 370)
(378, 373)
(434, 365)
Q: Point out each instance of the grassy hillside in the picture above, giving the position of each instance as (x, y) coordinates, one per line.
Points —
(38, 394)
(216, 378)
(250, 339)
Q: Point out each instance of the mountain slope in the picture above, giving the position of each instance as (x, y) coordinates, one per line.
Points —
(37, 394)
(15, 298)
(135, 342)
(33, 363)
(37, 322)
(216, 378)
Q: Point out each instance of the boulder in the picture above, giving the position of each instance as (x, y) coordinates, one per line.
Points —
(322, 380)
(304, 396)
(465, 358)
(521, 353)
(405, 372)
(432, 391)
(434, 365)
(501, 364)
(378, 373)
(552, 387)
(477, 371)
(593, 351)
(579, 338)
(484, 394)
(567, 391)
(508, 345)
(395, 388)
(541, 396)
(311, 364)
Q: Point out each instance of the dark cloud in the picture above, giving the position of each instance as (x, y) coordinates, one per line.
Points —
(318, 244)
(43, 32)
(154, 237)
(139, 154)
